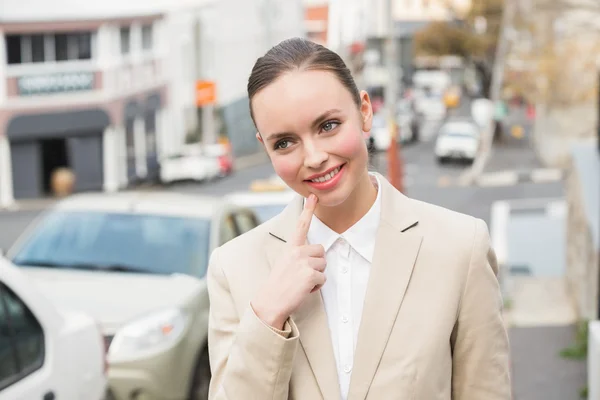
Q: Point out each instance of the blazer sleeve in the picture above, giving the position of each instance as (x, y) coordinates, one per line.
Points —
(480, 341)
(249, 359)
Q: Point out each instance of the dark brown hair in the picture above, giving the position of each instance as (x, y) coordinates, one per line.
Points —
(301, 54)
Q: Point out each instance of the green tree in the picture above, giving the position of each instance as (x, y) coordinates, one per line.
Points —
(462, 38)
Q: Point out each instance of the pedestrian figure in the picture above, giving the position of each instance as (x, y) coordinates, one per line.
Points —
(354, 291)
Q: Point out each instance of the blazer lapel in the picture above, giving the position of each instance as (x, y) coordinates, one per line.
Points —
(396, 251)
(310, 318)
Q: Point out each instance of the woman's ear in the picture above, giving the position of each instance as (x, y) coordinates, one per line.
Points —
(366, 111)
(259, 138)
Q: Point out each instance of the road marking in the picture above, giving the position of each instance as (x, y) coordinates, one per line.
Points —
(542, 175)
(506, 178)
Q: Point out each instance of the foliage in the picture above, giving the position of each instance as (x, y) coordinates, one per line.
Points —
(578, 350)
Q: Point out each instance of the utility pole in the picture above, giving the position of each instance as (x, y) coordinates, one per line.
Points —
(395, 170)
(508, 15)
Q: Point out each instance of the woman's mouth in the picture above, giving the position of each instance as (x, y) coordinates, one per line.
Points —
(328, 176)
(328, 180)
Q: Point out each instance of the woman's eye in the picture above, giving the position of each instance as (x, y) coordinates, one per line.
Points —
(329, 126)
(282, 144)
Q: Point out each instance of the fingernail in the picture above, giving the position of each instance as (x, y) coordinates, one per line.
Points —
(312, 198)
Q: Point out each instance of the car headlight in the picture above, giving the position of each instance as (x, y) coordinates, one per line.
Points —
(148, 335)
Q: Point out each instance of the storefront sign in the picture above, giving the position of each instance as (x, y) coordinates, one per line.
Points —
(206, 93)
(63, 82)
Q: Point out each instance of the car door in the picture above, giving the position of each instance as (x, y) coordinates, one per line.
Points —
(22, 351)
(245, 220)
(227, 228)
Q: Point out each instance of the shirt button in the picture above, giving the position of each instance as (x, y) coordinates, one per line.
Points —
(347, 369)
(344, 319)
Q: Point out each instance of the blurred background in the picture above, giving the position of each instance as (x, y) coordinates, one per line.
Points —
(127, 153)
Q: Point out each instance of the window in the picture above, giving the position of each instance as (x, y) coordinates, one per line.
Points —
(97, 241)
(48, 47)
(245, 221)
(37, 48)
(147, 41)
(13, 49)
(125, 39)
(21, 339)
(228, 230)
(61, 47)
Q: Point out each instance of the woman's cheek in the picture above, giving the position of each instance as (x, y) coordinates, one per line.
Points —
(286, 167)
(351, 145)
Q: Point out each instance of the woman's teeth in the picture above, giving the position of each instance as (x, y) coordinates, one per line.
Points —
(326, 177)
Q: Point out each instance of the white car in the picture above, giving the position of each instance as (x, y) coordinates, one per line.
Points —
(380, 132)
(136, 262)
(189, 164)
(457, 140)
(265, 198)
(46, 353)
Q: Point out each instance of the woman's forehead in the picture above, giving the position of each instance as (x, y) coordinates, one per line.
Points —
(299, 97)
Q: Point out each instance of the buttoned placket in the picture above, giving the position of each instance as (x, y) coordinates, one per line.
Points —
(345, 325)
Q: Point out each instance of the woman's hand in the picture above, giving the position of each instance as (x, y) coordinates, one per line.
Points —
(299, 273)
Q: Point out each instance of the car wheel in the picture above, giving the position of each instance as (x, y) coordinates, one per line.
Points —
(441, 160)
(201, 378)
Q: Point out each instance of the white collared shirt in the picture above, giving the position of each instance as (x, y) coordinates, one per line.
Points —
(349, 257)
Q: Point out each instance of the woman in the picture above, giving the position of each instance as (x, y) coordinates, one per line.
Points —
(354, 291)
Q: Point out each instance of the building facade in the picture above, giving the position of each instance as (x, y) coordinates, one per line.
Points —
(86, 94)
(107, 89)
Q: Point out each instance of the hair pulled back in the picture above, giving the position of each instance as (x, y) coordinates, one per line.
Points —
(298, 54)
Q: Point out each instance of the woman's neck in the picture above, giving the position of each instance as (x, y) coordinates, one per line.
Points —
(343, 216)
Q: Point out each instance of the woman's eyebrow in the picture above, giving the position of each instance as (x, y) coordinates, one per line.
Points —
(323, 117)
(316, 123)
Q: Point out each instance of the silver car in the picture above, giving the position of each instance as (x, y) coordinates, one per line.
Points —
(136, 263)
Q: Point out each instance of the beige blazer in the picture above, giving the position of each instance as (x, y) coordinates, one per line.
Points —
(431, 327)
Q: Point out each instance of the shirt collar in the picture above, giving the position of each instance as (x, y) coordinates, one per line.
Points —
(360, 236)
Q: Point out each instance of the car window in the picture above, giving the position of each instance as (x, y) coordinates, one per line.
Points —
(146, 243)
(266, 212)
(21, 339)
(228, 229)
(245, 221)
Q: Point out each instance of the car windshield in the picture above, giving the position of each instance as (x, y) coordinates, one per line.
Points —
(266, 212)
(119, 242)
(459, 129)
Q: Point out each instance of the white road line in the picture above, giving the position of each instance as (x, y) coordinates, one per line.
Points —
(541, 175)
(506, 178)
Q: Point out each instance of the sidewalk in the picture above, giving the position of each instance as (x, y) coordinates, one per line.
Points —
(541, 323)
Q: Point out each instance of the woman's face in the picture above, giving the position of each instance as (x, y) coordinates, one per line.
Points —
(314, 133)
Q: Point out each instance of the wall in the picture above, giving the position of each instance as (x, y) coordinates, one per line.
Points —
(554, 131)
(245, 30)
(583, 274)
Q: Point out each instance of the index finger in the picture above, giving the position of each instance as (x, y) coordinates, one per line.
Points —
(304, 221)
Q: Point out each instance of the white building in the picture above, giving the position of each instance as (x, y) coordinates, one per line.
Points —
(106, 88)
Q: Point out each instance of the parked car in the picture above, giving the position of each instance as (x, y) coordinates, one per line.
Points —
(458, 139)
(266, 198)
(380, 132)
(136, 261)
(222, 154)
(191, 163)
(46, 352)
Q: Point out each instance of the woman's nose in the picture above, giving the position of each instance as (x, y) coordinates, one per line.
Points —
(314, 157)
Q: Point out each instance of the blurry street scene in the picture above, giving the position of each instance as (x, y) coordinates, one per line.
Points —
(127, 154)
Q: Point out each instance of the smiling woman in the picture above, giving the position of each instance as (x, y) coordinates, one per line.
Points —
(390, 297)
